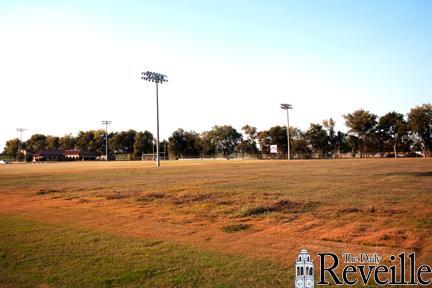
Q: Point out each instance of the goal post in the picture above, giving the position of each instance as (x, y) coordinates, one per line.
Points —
(148, 157)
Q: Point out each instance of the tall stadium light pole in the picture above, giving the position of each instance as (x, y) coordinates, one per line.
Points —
(287, 107)
(21, 130)
(157, 78)
(106, 123)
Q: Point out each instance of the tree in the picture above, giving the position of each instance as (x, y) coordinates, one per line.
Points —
(67, 142)
(361, 124)
(420, 123)
(143, 143)
(37, 142)
(99, 141)
(177, 143)
(393, 130)
(123, 142)
(298, 143)
(317, 138)
(185, 144)
(207, 145)
(225, 138)
(264, 141)
(276, 135)
(332, 136)
(248, 144)
(52, 142)
(11, 148)
(354, 144)
(342, 143)
(85, 141)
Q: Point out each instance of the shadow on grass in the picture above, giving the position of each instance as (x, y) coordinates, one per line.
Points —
(415, 174)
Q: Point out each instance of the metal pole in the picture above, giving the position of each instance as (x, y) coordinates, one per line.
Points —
(20, 144)
(106, 123)
(288, 136)
(106, 141)
(157, 121)
(21, 130)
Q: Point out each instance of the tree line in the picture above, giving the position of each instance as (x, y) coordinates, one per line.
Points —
(367, 134)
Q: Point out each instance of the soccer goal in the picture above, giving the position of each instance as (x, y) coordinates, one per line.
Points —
(148, 157)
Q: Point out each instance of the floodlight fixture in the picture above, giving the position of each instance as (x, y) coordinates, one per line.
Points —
(156, 78)
(287, 107)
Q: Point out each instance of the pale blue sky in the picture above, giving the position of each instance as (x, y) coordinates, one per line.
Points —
(228, 62)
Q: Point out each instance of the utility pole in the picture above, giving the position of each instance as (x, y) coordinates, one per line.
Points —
(157, 78)
(287, 107)
(21, 130)
(106, 123)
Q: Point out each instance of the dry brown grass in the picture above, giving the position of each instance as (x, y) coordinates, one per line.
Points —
(371, 205)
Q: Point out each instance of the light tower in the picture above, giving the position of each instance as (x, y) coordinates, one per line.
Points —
(106, 123)
(21, 130)
(287, 107)
(157, 78)
(304, 270)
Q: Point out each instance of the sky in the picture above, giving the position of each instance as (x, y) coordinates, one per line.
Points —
(67, 65)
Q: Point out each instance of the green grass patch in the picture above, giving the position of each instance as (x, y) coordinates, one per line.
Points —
(34, 254)
(235, 228)
(425, 223)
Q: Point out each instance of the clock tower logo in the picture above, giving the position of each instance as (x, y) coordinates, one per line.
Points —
(304, 270)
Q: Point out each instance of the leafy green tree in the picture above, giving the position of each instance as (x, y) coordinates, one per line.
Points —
(99, 141)
(207, 144)
(393, 130)
(317, 138)
(185, 144)
(298, 143)
(12, 148)
(420, 123)
(143, 143)
(37, 142)
(329, 125)
(276, 135)
(225, 138)
(248, 144)
(67, 142)
(52, 142)
(264, 141)
(354, 144)
(177, 143)
(86, 141)
(342, 143)
(123, 142)
(361, 124)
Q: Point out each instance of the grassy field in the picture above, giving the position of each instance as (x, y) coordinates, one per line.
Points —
(204, 223)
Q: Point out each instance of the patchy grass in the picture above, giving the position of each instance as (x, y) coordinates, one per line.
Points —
(117, 196)
(337, 205)
(150, 197)
(47, 191)
(33, 254)
(283, 205)
(425, 223)
(235, 227)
